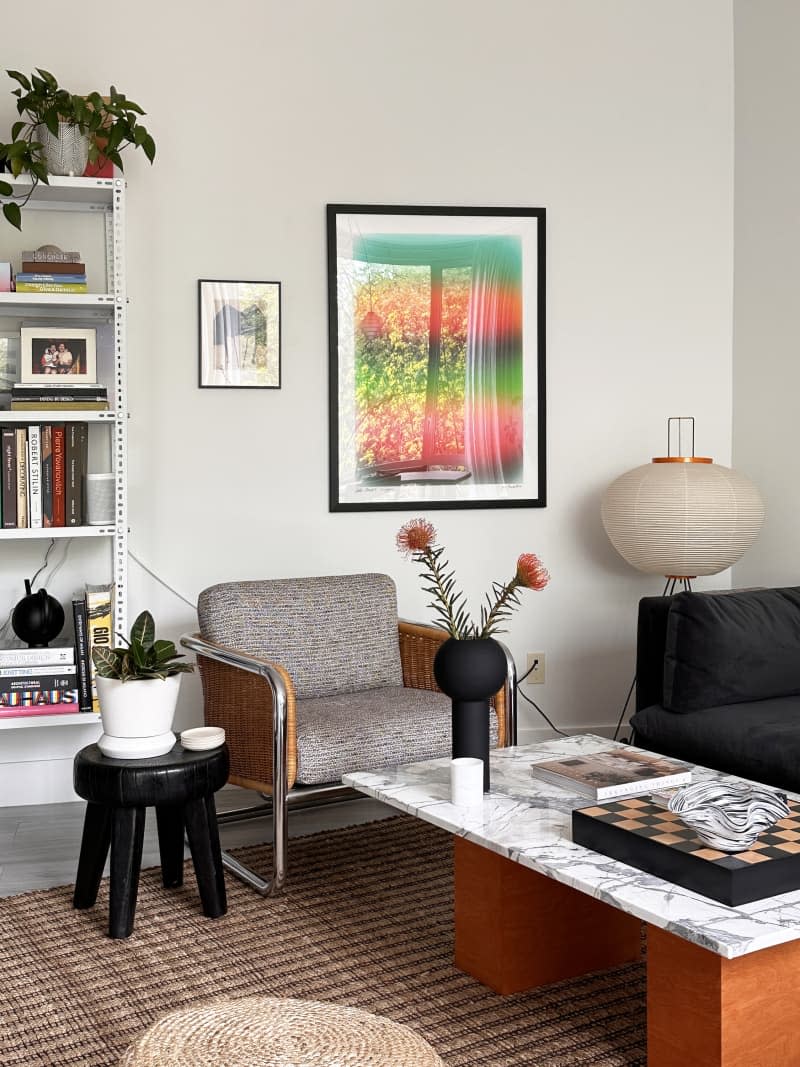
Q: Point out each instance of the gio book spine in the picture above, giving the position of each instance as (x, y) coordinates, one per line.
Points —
(59, 499)
(9, 445)
(82, 654)
(47, 475)
(35, 476)
(52, 287)
(22, 478)
(99, 625)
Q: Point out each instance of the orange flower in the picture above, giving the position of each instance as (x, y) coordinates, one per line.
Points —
(415, 536)
(531, 572)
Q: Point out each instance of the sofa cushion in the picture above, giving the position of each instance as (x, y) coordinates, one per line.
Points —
(728, 648)
(376, 728)
(758, 740)
(333, 635)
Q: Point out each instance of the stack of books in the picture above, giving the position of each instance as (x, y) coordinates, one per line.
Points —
(59, 680)
(38, 681)
(51, 271)
(90, 396)
(43, 475)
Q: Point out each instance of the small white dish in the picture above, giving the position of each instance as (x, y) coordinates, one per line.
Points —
(203, 737)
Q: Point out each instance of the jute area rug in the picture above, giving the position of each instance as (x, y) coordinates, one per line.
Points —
(366, 921)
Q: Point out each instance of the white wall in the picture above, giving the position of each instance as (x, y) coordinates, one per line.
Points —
(766, 324)
(616, 116)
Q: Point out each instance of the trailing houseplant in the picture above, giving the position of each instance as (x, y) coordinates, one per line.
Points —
(137, 685)
(470, 666)
(45, 107)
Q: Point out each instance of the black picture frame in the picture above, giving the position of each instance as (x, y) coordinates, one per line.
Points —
(239, 334)
(452, 414)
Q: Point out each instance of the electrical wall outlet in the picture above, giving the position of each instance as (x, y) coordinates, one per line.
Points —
(536, 662)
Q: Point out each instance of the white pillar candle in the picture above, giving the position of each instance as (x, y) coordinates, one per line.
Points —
(466, 781)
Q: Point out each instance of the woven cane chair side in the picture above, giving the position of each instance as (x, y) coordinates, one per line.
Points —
(241, 703)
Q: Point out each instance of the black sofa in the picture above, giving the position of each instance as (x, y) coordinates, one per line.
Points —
(718, 681)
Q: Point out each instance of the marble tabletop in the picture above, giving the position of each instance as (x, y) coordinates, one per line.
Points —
(529, 821)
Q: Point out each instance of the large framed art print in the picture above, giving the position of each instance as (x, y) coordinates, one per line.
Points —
(437, 357)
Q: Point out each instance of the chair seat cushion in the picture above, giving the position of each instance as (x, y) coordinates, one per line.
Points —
(372, 728)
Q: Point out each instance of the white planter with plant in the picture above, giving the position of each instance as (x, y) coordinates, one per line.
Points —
(137, 686)
(60, 131)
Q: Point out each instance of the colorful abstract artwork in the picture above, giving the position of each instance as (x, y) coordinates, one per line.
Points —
(437, 357)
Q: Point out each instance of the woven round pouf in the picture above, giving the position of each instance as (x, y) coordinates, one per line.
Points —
(268, 1032)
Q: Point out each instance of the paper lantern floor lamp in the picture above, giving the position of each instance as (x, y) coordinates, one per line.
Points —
(681, 515)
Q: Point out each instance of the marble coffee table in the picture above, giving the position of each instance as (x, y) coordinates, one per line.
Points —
(532, 907)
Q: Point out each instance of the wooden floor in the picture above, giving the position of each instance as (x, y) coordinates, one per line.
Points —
(39, 844)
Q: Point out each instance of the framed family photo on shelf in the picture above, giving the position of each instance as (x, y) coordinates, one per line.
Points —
(437, 357)
(48, 353)
(240, 335)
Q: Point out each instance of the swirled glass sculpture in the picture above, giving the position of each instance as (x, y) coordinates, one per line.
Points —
(729, 816)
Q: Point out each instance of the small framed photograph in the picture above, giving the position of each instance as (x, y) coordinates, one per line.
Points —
(53, 355)
(240, 335)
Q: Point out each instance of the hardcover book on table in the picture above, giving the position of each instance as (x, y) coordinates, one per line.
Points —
(615, 773)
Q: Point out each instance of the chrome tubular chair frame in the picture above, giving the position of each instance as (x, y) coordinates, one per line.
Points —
(280, 825)
(282, 799)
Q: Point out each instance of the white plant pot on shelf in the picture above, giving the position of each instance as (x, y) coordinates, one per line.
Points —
(66, 152)
(137, 716)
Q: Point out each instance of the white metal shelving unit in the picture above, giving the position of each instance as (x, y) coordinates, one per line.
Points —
(105, 196)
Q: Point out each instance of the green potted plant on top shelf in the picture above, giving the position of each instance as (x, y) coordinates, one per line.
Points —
(137, 686)
(59, 132)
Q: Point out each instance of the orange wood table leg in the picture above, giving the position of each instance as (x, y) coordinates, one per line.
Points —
(516, 929)
(707, 1011)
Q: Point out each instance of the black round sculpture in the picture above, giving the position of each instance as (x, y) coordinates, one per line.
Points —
(469, 672)
(37, 618)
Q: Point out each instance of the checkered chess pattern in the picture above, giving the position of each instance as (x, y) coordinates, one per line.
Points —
(646, 819)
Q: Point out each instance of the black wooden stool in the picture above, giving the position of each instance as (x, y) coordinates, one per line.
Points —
(181, 786)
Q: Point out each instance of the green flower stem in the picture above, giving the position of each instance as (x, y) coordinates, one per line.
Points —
(427, 558)
(494, 615)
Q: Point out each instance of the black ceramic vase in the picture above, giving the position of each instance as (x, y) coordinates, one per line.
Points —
(470, 672)
(37, 618)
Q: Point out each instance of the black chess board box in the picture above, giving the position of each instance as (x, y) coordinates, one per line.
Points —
(648, 836)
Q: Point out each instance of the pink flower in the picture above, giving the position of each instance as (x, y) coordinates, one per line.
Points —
(415, 536)
(531, 572)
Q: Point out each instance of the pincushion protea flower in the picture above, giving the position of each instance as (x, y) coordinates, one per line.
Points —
(417, 540)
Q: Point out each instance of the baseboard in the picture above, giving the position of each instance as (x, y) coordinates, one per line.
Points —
(531, 735)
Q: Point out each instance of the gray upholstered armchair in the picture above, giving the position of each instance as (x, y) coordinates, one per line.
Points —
(314, 677)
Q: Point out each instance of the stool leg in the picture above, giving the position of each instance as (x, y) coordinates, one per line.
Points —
(127, 836)
(169, 818)
(201, 829)
(94, 849)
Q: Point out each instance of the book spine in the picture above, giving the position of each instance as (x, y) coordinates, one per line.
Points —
(37, 392)
(35, 476)
(82, 654)
(52, 287)
(611, 792)
(99, 625)
(59, 500)
(24, 658)
(59, 405)
(51, 279)
(9, 445)
(30, 266)
(20, 711)
(22, 478)
(17, 677)
(47, 476)
(71, 475)
(40, 256)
